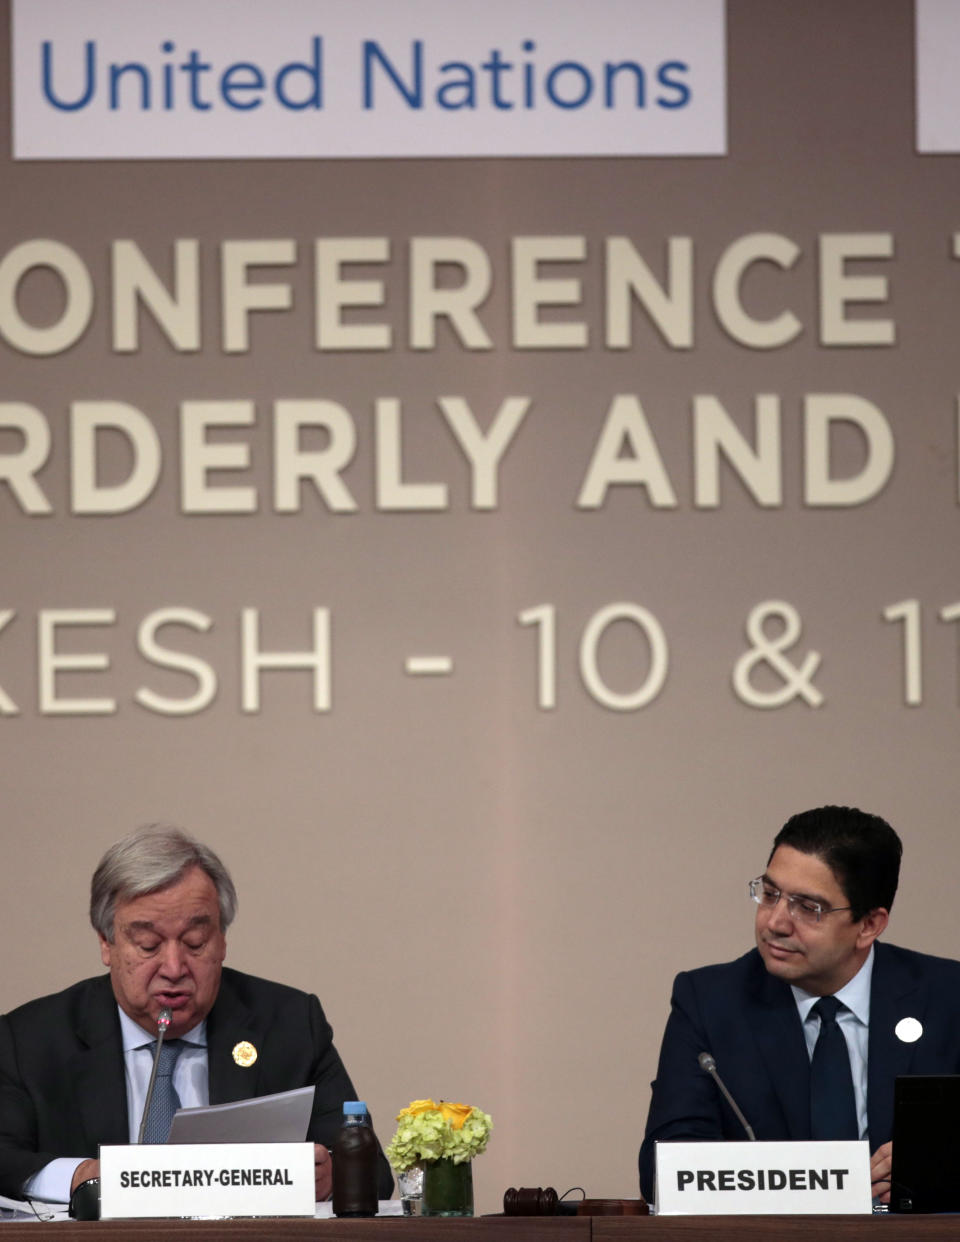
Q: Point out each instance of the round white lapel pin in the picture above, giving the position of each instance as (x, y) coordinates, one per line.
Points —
(908, 1030)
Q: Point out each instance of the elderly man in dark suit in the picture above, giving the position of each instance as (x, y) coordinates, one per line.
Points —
(800, 1067)
(74, 1066)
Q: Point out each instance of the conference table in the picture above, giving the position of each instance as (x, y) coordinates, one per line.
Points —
(887, 1228)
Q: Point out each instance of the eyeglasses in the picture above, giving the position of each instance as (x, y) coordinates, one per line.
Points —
(802, 909)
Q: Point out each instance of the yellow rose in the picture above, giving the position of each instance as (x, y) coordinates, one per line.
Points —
(456, 1114)
(415, 1108)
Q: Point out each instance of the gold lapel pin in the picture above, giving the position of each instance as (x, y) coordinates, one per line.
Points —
(244, 1054)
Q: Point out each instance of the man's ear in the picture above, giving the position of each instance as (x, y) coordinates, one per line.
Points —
(871, 925)
(105, 948)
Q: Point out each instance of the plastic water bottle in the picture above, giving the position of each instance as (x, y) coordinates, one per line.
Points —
(355, 1164)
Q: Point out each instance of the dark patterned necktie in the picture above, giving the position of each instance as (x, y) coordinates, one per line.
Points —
(165, 1100)
(833, 1109)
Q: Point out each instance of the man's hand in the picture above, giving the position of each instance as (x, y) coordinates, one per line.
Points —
(322, 1171)
(880, 1163)
(83, 1172)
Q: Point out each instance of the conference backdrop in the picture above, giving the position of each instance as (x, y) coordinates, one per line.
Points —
(482, 474)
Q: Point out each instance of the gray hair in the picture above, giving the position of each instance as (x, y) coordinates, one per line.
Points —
(149, 859)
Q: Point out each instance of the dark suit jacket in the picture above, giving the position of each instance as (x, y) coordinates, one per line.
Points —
(62, 1084)
(748, 1020)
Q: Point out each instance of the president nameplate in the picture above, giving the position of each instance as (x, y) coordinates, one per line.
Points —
(207, 1180)
(743, 1179)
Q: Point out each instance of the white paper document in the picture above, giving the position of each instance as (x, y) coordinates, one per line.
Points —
(21, 1209)
(280, 1118)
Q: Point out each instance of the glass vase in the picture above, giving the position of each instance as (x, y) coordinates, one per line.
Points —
(447, 1188)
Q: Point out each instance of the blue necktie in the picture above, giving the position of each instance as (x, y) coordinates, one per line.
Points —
(165, 1100)
(833, 1109)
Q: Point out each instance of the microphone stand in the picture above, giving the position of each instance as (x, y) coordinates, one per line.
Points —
(164, 1018)
(709, 1066)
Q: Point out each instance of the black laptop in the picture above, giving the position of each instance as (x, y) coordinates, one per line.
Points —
(926, 1144)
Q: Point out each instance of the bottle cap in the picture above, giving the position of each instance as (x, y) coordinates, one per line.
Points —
(352, 1108)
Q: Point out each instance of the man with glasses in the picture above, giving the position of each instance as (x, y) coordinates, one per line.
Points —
(809, 1029)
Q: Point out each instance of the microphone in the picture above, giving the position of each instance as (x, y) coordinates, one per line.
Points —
(164, 1018)
(709, 1066)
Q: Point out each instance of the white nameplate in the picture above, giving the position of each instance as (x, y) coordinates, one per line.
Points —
(207, 1179)
(743, 1179)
